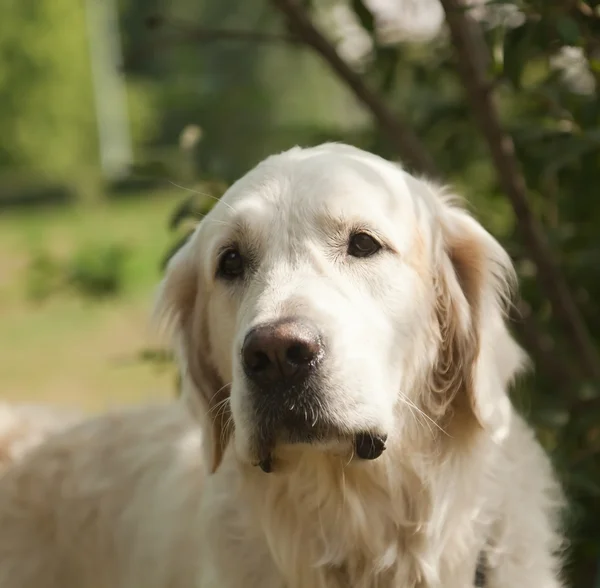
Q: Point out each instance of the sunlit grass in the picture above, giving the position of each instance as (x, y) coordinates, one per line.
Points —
(70, 349)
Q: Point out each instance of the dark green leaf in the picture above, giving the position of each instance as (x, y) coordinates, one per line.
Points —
(517, 49)
(364, 15)
(183, 212)
(150, 169)
(568, 29)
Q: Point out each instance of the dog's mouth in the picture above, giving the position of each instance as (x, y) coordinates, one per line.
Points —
(293, 421)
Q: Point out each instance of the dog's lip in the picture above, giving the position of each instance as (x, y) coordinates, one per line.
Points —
(266, 464)
(369, 445)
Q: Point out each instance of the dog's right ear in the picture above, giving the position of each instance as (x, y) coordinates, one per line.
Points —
(181, 307)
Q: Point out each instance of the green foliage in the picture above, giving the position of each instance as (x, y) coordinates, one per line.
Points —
(47, 109)
(364, 15)
(44, 277)
(94, 271)
(46, 112)
(98, 271)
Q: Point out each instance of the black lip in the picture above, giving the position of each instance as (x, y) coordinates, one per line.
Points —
(266, 465)
(369, 446)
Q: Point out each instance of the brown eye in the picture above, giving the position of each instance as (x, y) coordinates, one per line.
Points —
(231, 264)
(362, 245)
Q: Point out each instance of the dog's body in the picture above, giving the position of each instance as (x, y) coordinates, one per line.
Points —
(330, 307)
(118, 502)
(24, 426)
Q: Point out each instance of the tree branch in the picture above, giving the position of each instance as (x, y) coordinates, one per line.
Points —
(400, 134)
(181, 33)
(464, 33)
(202, 34)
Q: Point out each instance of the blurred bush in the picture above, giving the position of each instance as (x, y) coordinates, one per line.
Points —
(94, 271)
(23, 192)
(44, 277)
(98, 271)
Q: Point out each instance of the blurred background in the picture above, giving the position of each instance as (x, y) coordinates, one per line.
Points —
(122, 120)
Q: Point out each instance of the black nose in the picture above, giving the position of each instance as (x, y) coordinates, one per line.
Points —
(283, 351)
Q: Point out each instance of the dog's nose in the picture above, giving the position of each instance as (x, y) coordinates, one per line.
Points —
(282, 351)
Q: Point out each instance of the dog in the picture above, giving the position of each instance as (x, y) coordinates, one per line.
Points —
(24, 426)
(344, 420)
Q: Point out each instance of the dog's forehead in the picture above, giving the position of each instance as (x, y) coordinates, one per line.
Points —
(338, 185)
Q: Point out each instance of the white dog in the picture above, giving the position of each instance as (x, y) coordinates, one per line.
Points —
(341, 333)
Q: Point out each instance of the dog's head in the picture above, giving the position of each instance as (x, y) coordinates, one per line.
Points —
(331, 299)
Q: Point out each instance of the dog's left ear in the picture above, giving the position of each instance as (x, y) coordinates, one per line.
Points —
(181, 303)
(477, 356)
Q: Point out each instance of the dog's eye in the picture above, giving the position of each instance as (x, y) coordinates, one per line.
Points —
(231, 264)
(362, 245)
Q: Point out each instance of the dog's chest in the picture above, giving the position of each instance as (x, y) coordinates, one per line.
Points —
(339, 543)
(326, 529)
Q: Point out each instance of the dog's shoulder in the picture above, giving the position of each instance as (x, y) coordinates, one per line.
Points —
(118, 449)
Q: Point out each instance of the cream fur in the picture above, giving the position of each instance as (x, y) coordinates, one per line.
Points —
(24, 426)
(149, 498)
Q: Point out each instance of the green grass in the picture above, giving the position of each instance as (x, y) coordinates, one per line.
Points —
(71, 349)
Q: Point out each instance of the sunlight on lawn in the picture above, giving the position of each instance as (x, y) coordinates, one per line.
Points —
(72, 349)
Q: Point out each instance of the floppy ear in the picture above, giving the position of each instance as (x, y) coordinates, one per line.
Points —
(182, 306)
(477, 356)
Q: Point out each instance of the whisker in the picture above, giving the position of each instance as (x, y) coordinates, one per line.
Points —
(217, 408)
(222, 402)
(352, 453)
(199, 193)
(227, 429)
(415, 408)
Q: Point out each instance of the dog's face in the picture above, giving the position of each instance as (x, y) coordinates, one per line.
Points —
(326, 297)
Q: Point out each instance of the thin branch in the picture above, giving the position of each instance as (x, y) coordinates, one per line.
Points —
(202, 35)
(400, 134)
(181, 33)
(465, 37)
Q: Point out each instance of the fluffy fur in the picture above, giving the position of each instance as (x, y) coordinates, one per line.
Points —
(24, 426)
(417, 349)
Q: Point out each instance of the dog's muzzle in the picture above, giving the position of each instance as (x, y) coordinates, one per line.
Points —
(282, 362)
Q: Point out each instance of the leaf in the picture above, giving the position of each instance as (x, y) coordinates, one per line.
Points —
(184, 211)
(156, 356)
(386, 63)
(570, 151)
(150, 169)
(364, 15)
(568, 29)
(582, 483)
(595, 65)
(517, 49)
(552, 416)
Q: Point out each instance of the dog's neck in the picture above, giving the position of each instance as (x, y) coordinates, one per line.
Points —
(328, 522)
